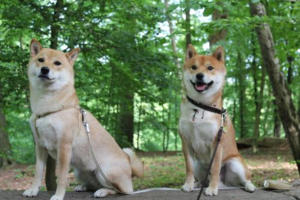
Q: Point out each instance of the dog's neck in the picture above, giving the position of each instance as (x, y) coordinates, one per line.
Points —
(43, 101)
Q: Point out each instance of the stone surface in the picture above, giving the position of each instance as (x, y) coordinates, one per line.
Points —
(295, 192)
(234, 194)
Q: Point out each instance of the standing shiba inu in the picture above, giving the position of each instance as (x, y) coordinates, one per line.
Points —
(56, 123)
(204, 79)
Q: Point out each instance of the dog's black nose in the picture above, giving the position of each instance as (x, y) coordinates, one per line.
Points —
(199, 76)
(45, 70)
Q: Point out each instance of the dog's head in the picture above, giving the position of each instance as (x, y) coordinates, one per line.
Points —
(49, 68)
(204, 75)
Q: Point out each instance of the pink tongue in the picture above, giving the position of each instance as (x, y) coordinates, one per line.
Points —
(201, 87)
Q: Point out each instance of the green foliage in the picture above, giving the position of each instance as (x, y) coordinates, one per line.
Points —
(126, 49)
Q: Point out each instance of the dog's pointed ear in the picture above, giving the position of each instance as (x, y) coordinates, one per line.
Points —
(35, 47)
(72, 55)
(219, 54)
(190, 52)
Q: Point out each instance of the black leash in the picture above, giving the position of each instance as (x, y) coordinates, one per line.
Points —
(222, 112)
(211, 161)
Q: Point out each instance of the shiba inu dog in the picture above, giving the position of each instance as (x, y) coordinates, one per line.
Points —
(204, 79)
(56, 123)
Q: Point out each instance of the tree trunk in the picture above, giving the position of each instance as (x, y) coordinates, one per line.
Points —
(277, 124)
(50, 178)
(55, 26)
(286, 108)
(240, 65)
(126, 116)
(177, 63)
(290, 60)
(188, 34)
(4, 141)
(173, 40)
(139, 126)
(220, 34)
(258, 106)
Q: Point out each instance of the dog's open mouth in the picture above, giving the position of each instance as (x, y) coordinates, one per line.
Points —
(45, 77)
(201, 86)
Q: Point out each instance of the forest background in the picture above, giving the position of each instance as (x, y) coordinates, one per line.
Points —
(129, 70)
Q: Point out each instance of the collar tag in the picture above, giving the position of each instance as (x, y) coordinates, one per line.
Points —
(194, 116)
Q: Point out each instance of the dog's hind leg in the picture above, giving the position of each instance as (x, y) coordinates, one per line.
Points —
(103, 192)
(123, 183)
(238, 174)
(87, 179)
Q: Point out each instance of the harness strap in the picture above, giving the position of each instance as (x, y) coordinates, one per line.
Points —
(63, 107)
(36, 117)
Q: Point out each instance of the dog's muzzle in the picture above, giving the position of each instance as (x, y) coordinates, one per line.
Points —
(44, 73)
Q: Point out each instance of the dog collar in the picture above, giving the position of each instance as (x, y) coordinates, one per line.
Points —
(206, 107)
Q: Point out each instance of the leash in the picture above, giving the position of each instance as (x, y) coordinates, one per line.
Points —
(221, 112)
(106, 183)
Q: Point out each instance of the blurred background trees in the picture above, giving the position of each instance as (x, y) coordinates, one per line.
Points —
(128, 71)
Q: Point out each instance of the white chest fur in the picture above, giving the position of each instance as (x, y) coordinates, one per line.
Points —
(48, 132)
(199, 129)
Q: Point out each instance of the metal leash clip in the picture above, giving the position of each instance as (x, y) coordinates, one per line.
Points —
(84, 122)
(223, 120)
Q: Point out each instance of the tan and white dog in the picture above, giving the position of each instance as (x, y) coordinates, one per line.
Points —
(56, 123)
(204, 79)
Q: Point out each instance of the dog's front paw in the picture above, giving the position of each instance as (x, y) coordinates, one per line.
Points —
(31, 192)
(80, 188)
(187, 187)
(56, 197)
(211, 191)
(249, 187)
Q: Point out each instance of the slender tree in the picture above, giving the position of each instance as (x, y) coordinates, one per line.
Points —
(241, 83)
(5, 147)
(277, 123)
(188, 34)
(286, 109)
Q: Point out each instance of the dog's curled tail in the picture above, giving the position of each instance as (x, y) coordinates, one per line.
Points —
(137, 166)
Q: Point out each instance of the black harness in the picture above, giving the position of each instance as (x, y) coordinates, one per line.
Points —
(221, 112)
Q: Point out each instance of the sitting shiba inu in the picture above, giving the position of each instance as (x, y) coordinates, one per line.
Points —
(204, 79)
(57, 126)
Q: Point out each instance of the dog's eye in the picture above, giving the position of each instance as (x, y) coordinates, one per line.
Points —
(57, 63)
(194, 67)
(41, 59)
(210, 68)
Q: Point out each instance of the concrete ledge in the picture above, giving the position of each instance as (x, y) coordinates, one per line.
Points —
(233, 194)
